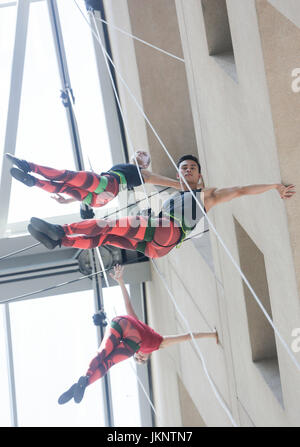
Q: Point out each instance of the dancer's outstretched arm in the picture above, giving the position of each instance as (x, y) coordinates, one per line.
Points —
(214, 196)
(159, 180)
(173, 339)
(118, 276)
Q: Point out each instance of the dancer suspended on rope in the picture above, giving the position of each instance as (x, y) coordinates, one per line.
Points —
(126, 337)
(85, 186)
(155, 237)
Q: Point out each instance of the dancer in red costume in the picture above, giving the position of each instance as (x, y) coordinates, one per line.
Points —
(126, 337)
(88, 187)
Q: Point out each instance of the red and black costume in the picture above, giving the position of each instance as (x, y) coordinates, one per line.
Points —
(122, 339)
(125, 336)
(93, 189)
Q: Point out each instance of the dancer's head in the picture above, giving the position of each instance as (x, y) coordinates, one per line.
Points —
(141, 357)
(142, 158)
(190, 169)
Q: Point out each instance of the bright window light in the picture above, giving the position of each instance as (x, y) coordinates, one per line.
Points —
(52, 348)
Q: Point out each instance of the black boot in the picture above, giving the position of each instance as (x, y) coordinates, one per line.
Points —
(67, 395)
(54, 232)
(43, 238)
(80, 388)
(23, 177)
(22, 164)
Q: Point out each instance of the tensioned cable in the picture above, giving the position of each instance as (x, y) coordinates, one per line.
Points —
(145, 392)
(117, 99)
(216, 392)
(26, 295)
(284, 344)
(107, 57)
(139, 40)
(19, 251)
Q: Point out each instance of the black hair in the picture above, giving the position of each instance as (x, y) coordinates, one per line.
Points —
(189, 157)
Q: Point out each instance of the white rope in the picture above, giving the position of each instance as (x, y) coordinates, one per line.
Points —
(140, 40)
(46, 289)
(288, 350)
(138, 379)
(102, 266)
(105, 55)
(120, 107)
(216, 392)
(19, 251)
(144, 390)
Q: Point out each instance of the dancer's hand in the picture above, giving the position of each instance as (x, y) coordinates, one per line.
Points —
(286, 192)
(61, 199)
(118, 273)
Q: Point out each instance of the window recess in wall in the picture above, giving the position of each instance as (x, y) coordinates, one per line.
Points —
(218, 35)
(261, 333)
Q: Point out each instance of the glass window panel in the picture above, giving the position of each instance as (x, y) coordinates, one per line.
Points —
(54, 340)
(5, 409)
(7, 30)
(124, 398)
(43, 134)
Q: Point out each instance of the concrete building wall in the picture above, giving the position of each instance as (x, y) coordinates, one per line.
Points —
(237, 111)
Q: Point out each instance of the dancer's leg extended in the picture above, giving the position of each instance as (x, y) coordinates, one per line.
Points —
(96, 231)
(94, 189)
(164, 240)
(120, 342)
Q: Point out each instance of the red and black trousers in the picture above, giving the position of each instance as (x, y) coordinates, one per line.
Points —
(93, 189)
(154, 237)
